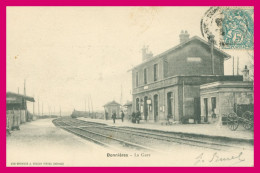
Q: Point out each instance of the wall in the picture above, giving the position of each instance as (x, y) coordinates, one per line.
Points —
(178, 63)
(150, 72)
(225, 100)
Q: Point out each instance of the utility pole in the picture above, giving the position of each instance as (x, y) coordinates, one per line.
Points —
(91, 104)
(85, 106)
(121, 97)
(33, 106)
(237, 65)
(38, 107)
(212, 42)
(25, 105)
(60, 111)
(88, 107)
(24, 88)
(42, 108)
(183, 98)
(233, 66)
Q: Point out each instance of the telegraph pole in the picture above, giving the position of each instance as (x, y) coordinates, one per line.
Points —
(38, 107)
(24, 88)
(233, 66)
(183, 98)
(33, 106)
(85, 106)
(237, 65)
(91, 104)
(88, 107)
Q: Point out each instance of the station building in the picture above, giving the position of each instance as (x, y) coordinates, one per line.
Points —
(221, 98)
(110, 108)
(169, 83)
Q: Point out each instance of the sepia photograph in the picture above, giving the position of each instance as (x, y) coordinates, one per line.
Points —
(130, 86)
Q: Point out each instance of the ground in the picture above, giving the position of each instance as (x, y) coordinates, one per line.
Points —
(40, 143)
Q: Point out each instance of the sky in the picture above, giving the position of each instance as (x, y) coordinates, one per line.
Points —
(68, 55)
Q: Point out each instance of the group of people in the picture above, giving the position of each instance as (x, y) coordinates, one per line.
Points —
(136, 117)
(114, 116)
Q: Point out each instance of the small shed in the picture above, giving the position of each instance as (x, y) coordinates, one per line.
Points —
(220, 98)
(110, 108)
(16, 109)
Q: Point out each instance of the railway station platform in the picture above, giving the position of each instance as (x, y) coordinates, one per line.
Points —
(209, 130)
(40, 143)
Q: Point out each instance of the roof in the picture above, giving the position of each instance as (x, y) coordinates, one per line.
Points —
(31, 99)
(128, 103)
(112, 103)
(226, 56)
(228, 84)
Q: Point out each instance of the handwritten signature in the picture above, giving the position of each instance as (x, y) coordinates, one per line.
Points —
(216, 158)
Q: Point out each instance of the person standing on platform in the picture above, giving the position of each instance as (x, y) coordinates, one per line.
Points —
(114, 117)
(122, 116)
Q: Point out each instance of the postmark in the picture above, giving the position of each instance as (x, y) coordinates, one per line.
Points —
(233, 27)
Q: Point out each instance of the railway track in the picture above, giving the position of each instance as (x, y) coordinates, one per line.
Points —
(136, 138)
(98, 138)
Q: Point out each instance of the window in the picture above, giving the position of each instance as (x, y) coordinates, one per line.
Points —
(194, 59)
(213, 106)
(137, 104)
(165, 68)
(155, 72)
(145, 76)
(213, 103)
(136, 78)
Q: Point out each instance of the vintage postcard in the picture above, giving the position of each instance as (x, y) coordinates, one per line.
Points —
(130, 86)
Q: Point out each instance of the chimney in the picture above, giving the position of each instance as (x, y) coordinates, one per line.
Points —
(212, 42)
(245, 74)
(145, 54)
(184, 36)
(144, 50)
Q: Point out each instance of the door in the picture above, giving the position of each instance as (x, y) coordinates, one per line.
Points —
(206, 109)
(156, 112)
(197, 109)
(170, 105)
(145, 108)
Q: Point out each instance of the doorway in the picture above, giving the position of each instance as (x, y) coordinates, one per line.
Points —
(156, 112)
(145, 108)
(137, 105)
(170, 105)
(206, 109)
(197, 109)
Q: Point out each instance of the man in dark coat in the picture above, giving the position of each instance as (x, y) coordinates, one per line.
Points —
(114, 117)
(122, 116)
